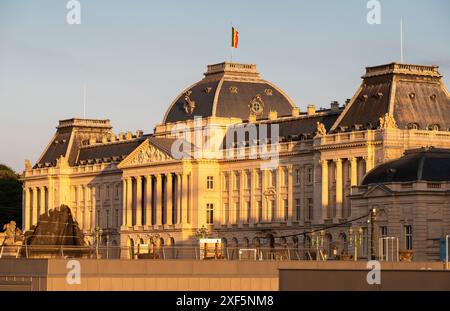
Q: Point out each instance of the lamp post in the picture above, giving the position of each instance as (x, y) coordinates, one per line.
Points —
(355, 240)
(373, 219)
(317, 241)
(97, 233)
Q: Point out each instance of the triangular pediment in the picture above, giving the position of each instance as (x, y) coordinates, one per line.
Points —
(146, 154)
(378, 190)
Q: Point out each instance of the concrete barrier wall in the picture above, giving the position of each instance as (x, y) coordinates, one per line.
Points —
(185, 275)
(355, 280)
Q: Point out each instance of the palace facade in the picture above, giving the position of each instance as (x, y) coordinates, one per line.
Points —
(235, 155)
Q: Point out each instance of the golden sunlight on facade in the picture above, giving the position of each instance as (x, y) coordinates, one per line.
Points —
(235, 155)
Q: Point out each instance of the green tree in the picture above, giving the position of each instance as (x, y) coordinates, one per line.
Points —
(10, 196)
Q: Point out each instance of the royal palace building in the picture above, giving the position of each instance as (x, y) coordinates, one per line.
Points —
(235, 155)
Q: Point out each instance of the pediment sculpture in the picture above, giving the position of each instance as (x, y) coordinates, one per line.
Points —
(148, 155)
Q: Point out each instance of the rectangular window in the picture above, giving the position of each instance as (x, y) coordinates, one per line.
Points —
(408, 237)
(297, 176)
(227, 182)
(226, 213)
(249, 180)
(210, 182)
(383, 234)
(297, 209)
(286, 210)
(116, 218)
(260, 211)
(309, 174)
(272, 211)
(209, 213)
(249, 211)
(237, 212)
(236, 181)
(309, 214)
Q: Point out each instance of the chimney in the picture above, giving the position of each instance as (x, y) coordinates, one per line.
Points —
(311, 110)
(295, 112)
(334, 106)
(347, 101)
(273, 115)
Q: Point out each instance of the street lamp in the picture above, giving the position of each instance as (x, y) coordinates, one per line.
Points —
(355, 240)
(97, 233)
(317, 241)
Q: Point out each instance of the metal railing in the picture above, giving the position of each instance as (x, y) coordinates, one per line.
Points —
(160, 252)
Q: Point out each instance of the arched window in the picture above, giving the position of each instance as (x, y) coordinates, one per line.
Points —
(413, 126)
(434, 127)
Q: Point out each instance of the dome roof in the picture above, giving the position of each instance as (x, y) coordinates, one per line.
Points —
(425, 164)
(229, 90)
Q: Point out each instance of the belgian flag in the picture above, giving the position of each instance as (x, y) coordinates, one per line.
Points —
(234, 37)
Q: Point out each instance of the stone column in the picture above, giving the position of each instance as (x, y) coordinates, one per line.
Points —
(34, 207)
(148, 200)
(290, 192)
(184, 195)
(138, 201)
(265, 216)
(354, 171)
(179, 199)
(324, 189)
(42, 207)
(242, 212)
(85, 208)
(169, 199)
(124, 201)
(129, 202)
(158, 193)
(369, 163)
(279, 216)
(253, 205)
(93, 207)
(339, 193)
(26, 209)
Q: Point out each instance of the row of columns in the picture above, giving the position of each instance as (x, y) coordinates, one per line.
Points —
(36, 201)
(339, 191)
(90, 209)
(272, 206)
(160, 199)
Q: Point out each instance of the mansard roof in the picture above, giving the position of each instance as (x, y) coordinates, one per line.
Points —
(413, 94)
(227, 91)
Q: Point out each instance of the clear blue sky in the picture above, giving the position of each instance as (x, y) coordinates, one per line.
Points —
(136, 56)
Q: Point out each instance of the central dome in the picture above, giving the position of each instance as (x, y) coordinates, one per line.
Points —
(229, 90)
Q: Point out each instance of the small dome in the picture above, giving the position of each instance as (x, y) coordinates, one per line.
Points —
(229, 90)
(425, 164)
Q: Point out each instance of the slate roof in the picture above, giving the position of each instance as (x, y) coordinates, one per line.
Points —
(425, 164)
(412, 94)
(226, 91)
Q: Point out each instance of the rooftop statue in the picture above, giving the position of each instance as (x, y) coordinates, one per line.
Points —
(321, 131)
(387, 122)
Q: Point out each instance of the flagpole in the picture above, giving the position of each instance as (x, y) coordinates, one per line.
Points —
(401, 40)
(231, 45)
(84, 101)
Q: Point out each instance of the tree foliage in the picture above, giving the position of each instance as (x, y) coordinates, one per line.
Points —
(10, 196)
